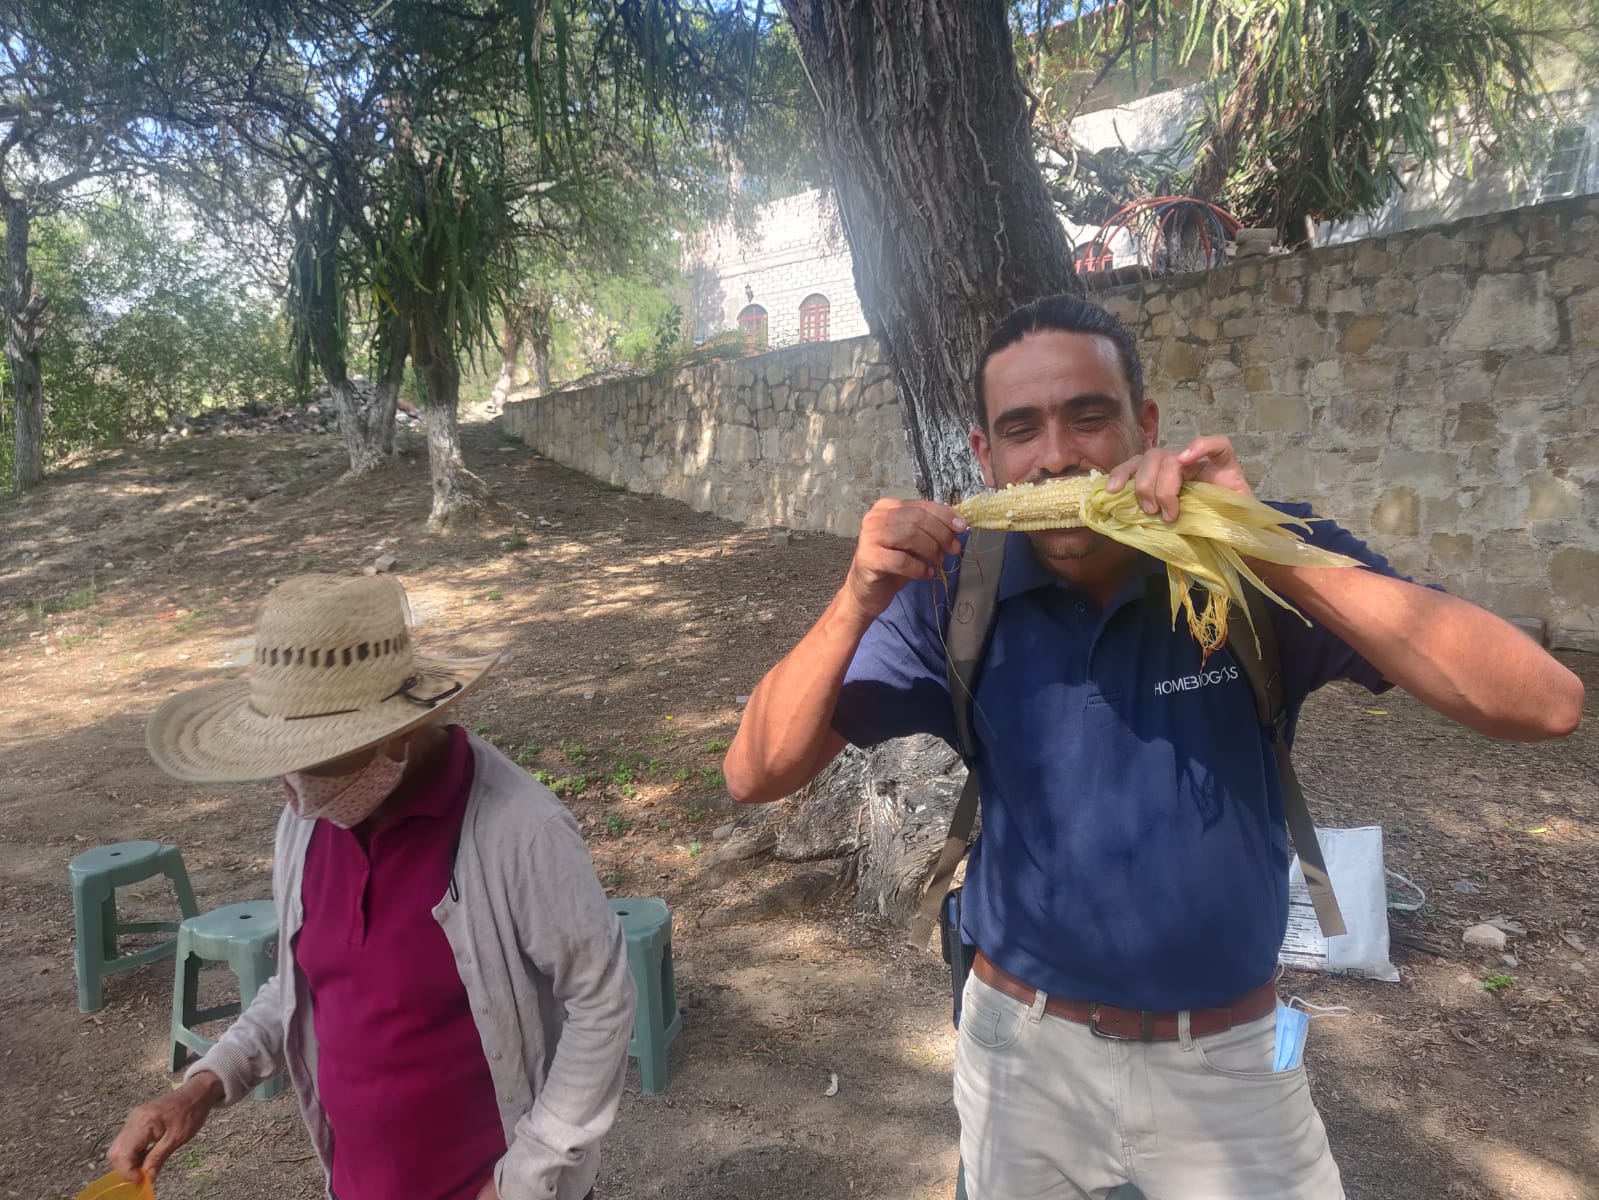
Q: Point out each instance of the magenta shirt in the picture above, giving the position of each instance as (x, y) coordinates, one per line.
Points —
(401, 1071)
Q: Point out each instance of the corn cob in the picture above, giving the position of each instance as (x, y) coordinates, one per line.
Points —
(1031, 507)
(1215, 529)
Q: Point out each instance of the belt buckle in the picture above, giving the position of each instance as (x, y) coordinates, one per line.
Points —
(1146, 1027)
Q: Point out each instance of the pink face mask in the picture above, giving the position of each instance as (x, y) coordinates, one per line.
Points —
(344, 800)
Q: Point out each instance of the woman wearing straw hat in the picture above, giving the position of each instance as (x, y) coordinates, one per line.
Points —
(452, 1002)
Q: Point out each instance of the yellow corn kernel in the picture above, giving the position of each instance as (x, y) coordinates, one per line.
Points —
(1031, 507)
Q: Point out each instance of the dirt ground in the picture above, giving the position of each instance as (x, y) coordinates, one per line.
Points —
(632, 626)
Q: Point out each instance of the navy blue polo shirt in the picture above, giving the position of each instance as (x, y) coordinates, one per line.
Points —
(1132, 848)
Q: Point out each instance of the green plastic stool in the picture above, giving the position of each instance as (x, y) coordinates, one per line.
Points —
(647, 926)
(245, 937)
(96, 875)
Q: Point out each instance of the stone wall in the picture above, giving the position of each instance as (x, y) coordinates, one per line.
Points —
(807, 438)
(1437, 391)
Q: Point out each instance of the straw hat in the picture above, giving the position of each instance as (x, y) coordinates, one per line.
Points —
(333, 672)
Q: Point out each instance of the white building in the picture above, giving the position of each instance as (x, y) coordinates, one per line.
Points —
(786, 279)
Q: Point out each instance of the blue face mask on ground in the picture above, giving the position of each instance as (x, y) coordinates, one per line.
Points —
(1293, 1029)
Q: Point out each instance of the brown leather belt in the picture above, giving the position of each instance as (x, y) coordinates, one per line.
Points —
(1126, 1024)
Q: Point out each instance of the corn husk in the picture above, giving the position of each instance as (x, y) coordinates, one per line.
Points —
(1215, 531)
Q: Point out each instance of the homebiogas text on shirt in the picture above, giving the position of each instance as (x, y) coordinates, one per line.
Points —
(1189, 683)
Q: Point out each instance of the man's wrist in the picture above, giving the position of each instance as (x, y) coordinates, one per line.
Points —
(852, 617)
(206, 1085)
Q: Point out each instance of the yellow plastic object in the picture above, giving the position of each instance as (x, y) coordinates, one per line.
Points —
(114, 1187)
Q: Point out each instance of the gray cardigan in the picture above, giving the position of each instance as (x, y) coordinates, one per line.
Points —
(545, 968)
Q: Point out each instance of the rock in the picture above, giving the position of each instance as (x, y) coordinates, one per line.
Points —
(1510, 960)
(1505, 925)
(385, 563)
(1465, 887)
(781, 537)
(1575, 942)
(722, 832)
(1487, 937)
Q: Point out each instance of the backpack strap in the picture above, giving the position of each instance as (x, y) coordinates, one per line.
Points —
(1262, 665)
(971, 622)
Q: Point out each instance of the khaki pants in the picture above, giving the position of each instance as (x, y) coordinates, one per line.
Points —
(1050, 1111)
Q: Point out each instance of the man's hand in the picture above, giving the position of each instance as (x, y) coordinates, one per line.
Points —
(1158, 475)
(900, 540)
(157, 1127)
(489, 1192)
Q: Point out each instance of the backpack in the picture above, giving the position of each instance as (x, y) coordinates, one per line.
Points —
(971, 626)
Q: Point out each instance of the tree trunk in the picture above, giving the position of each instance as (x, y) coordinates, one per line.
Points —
(393, 348)
(457, 492)
(541, 363)
(318, 297)
(927, 128)
(23, 313)
(539, 336)
(1243, 110)
(510, 359)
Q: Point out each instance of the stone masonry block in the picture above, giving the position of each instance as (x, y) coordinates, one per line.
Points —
(1431, 471)
(1532, 378)
(1183, 360)
(1394, 294)
(1398, 512)
(1551, 497)
(1574, 576)
(1409, 333)
(1361, 333)
(1453, 553)
(1477, 422)
(1508, 313)
(1572, 273)
(1504, 248)
(1281, 414)
(1432, 250)
(1443, 295)
(1512, 554)
(1582, 313)
(1347, 300)
(1372, 261)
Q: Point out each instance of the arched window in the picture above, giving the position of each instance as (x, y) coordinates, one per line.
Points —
(752, 322)
(813, 318)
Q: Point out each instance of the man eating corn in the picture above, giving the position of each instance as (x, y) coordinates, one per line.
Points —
(1128, 894)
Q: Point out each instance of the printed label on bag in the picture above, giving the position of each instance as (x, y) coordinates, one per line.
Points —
(1303, 945)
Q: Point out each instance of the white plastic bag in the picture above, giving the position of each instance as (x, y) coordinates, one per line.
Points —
(1354, 863)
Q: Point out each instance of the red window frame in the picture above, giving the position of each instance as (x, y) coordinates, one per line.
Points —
(813, 318)
(753, 324)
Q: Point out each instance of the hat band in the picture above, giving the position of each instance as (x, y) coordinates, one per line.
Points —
(404, 690)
